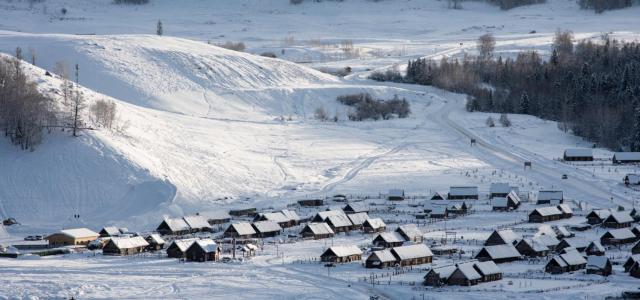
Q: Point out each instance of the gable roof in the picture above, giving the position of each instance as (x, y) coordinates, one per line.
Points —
(129, 242)
(356, 207)
(469, 271)
(78, 233)
(274, 216)
(550, 195)
(111, 230)
(547, 211)
(535, 245)
(375, 223)
(339, 220)
(559, 261)
(578, 152)
(291, 215)
(576, 242)
(320, 228)
(358, 218)
(545, 229)
(600, 213)
(412, 251)
(437, 196)
(196, 222)
(463, 191)
(621, 234)
(266, 226)
(595, 245)
(342, 251)
(396, 193)
(156, 238)
(445, 271)
(563, 231)
(487, 267)
(208, 245)
(502, 251)
(410, 230)
(243, 228)
(573, 258)
(619, 217)
(384, 255)
(177, 224)
(183, 244)
(327, 213)
(623, 156)
(507, 235)
(597, 262)
(547, 240)
(565, 208)
(218, 215)
(390, 237)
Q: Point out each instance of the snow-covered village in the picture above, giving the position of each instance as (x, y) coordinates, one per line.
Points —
(320, 149)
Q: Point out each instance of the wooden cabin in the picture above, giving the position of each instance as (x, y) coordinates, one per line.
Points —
(498, 253)
(634, 271)
(565, 210)
(618, 236)
(502, 237)
(173, 226)
(488, 270)
(242, 230)
(242, 212)
(178, 248)
(72, 237)
(311, 202)
(597, 216)
(574, 243)
(595, 249)
(381, 259)
(439, 212)
(277, 217)
(357, 220)
(566, 262)
(499, 189)
(626, 158)
(550, 197)
(532, 248)
(155, 242)
(618, 219)
(633, 259)
(509, 202)
(125, 246)
(265, 229)
(218, 217)
(410, 232)
(203, 250)
(339, 223)
(341, 254)
(110, 231)
(197, 223)
(395, 195)
(437, 197)
(322, 216)
(600, 265)
(545, 214)
(374, 225)
(317, 231)
(581, 154)
(463, 193)
(355, 207)
(388, 239)
(439, 276)
(465, 275)
(412, 254)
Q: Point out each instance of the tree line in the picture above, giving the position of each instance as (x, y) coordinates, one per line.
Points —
(599, 6)
(368, 107)
(591, 88)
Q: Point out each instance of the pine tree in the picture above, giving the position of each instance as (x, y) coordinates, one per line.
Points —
(159, 30)
(635, 144)
(525, 103)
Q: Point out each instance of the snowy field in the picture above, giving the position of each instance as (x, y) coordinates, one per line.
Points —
(204, 129)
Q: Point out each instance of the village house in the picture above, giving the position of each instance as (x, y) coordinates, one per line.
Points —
(548, 240)
(388, 239)
(355, 207)
(439, 276)
(381, 259)
(563, 232)
(412, 254)
(341, 254)
(339, 223)
(636, 248)
(532, 248)
(126, 245)
(510, 202)
(597, 216)
(439, 212)
(618, 236)
(501, 237)
(437, 197)
(499, 189)
(463, 193)
(550, 197)
(545, 214)
(242, 230)
(203, 250)
(600, 265)
(110, 231)
(566, 211)
(582, 154)
(626, 158)
(395, 195)
(465, 275)
(488, 270)
(566, 262)
(573, 243)
(292, 216)
(277, 217)
(322, 216)
(634, 271)
(633, 259)
(177, 248)
(595, 249)
(618, 219)
(632, 179)
(498, 253)
(173, 226)
(241, 212)
(311, 202)
(317, 231)
(265, 229)
(72, 237)
(155, 242)
(218, 217)
(358, 220)
(374, 225)
(410, 232)
(197, 223)
(457, 208)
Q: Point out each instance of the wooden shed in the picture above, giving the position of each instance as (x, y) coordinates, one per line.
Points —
(266, 229)
(498, 253)
(311, 202)
(597, 216)
(381, 259)
(173, 226)
(410, 232)
(110, 231)
(463, 193)
(545, 214)
(177, 248)
(600, 265)
(72, 237)
(439, 276)
(595, 249)
(465, 275)
(618, 236)
(339, 223)
(550, 197)
(125, 245)
(626, 158)
(374, 225)
(488, 270)
(501, 237)
(203, 250)
(532, 248)
(155, 242)
(618, 219)
(581, 154)
(395, 195)
(317, 231)
(412, 254)
(242, 230)
(388, 239)
(355, 207)
(341, 254)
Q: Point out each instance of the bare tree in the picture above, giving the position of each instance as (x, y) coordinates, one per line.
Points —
(321, 114)
(104, 113)
(486, 46)
(32, 55)
(77, 106)
(159, 29)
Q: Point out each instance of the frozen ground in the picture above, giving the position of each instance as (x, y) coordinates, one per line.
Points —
(210, 129)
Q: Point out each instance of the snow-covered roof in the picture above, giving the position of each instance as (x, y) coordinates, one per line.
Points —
(563, 231)
(514, 197)
(385, 255)
(339, 220)
(469, 271)
(78, 233)
(535, 244)
(621, 234)
(320, 228)
(218, 215)
(275, 216)
(502, 251)
(597, 262)
(499, 202)
(565, 208)
(463, 191)
(111, 230)
(578, 152)
(183, 244)
(499, 188)
(396, 193)
(412, 251)
(508, 235)
(342, 251)
(129, 242)
(548, 211)
(390, 237)
(410, 230)
(550, 195)
(488, 267)
(376, 223)
(595, 245)
(547, 240)
(623, 156)
(358, 218)
(545, 229)
(291, 215)
(559, 261)
(266, 226)
(601, 213)
(438, 196)
(177, 224)
(327, 213)
(196, 222)
(356, 207)
(243, 228)
(445, 272)
(156, 238)
(208, 245)
(620, 217)
(576, 242)
(573, 258)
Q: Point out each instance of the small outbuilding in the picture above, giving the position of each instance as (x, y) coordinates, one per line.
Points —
(632, 179)
(374, 225)
(439, 276)
(463, 193)
(388, 239)
(173, 226)
(550, 197)
(126, 245)
(355, 207)
(341, 254)
(110, 231)
(499, 189)
(265, 229)
(532, 248)
(178, 248)
(597, 216)
(579, 244)
(410, 232)
(502, 237)
(626, 158)
(395, 195)
(242, 230)
(156, 242)
(357, 220)
(381, 259)
(339, 223)
(545, 214)
(618, 219)
(618, 236)
(317, 231)
(498, 253)
(218, 217)
(600, 265)
(412, 254)
(582, 154)
(72, 237)
(465, 275)
(595, 249)
(203, 250)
